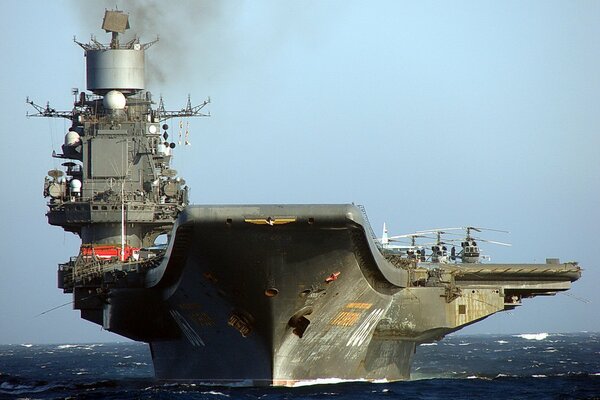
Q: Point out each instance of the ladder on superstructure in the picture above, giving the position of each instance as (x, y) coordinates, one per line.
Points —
(369, 228)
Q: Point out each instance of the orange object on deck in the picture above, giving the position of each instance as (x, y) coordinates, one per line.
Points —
(109, 252)
(332, 277)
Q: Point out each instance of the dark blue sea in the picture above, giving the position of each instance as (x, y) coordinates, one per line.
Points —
(537, 366)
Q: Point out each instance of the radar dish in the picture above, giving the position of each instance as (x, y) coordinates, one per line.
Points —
(115, 21)
(55, 190)
(55, 173)
(171, 188)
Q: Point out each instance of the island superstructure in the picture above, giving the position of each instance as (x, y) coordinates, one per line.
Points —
(254, 294)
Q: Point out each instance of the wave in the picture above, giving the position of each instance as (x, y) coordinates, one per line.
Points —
(325, 381)
(532, 336)
(84, 346)
(15, 385)
(67, 346)
(214, 393)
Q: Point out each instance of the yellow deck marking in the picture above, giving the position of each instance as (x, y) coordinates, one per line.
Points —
(203, 319)
(360, 306)
(345, 318)
(271, 221)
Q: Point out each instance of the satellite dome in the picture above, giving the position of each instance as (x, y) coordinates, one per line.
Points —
(72, 138)
(75, 185)
(114, 100)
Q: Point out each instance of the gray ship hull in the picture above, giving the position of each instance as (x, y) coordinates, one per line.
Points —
(274, 295)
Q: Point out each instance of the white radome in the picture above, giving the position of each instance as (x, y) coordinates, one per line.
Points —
(114, 100)
(75, 185)
(72, 138)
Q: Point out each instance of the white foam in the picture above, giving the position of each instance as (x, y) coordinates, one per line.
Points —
(243, 383)
(26, 345)
(533, 336)
(325, 381)
(501, 341)
(383, 380)
(216, 393)
(428, 344)
(67, 346)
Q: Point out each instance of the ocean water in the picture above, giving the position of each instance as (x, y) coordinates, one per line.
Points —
(534, 366)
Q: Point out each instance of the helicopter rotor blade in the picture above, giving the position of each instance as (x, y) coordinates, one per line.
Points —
(495, 242)
(400, 241)
(479, 229)
(440, 230)
(405, 244)
(408, 235)
(438, 243)
(453, 234)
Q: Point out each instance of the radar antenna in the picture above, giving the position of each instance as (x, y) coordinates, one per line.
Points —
(187, 111)
(47, 111)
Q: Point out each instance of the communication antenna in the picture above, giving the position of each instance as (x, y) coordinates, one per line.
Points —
(187, 133)
(180, 130)
(115, 22)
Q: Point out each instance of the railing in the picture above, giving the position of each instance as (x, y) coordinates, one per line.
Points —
(82, 270)
(368, 226)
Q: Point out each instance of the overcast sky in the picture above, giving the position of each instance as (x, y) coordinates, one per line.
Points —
(430, 114)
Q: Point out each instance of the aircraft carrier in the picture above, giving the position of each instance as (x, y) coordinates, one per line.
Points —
(244, 294)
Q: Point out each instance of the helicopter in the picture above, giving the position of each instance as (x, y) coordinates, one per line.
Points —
(412, 251)
(469, 253)
(470, 250)
(439, 249)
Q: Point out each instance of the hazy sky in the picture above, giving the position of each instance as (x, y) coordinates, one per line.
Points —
(430, 114)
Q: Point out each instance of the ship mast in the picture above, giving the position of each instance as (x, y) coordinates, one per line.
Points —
(123, 233)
